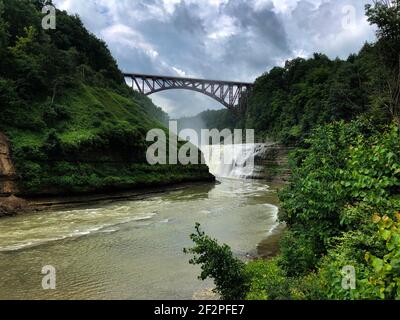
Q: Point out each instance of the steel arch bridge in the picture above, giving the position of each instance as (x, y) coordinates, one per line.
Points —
(233, 95)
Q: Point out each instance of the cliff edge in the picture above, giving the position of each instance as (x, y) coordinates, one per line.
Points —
(8, 175)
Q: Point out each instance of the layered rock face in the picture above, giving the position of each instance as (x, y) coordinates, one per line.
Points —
(9, 204)
(8, 175)
(271, 163)
(267, 161)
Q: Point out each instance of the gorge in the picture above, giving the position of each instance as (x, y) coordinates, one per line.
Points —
(113, 226)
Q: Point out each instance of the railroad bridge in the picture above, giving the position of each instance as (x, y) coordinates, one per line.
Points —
(233, 95)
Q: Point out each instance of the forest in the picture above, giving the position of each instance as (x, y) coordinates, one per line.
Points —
(73, 123)
(342, 203)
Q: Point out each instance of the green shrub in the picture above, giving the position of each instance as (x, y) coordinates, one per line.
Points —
(298, 252)
(329, 206)
(375, 259)
(308, 287)
(268, 281)
(218, 263)
(384, 277)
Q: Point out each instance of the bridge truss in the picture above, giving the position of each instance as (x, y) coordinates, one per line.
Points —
(233, 95)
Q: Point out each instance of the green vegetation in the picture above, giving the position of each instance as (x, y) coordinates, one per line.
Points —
(342, 209)
(330, 204)
(73, 123)
(342, 204)
(217, 262)
(288, 102)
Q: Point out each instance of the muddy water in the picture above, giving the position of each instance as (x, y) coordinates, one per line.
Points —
(131, 249)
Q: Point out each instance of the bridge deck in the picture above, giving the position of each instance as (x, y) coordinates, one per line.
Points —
(231, 94)
(153, 76)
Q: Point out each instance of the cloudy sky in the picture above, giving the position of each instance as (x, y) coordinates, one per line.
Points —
(219, 39)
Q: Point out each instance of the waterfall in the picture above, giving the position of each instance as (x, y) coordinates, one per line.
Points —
(234, 160)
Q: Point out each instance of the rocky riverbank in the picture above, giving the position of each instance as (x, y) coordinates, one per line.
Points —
(271, 163)
(12, 205)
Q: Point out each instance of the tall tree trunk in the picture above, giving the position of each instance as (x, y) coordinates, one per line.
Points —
(396, 95)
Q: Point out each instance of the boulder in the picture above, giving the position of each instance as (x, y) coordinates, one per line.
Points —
(12, 205)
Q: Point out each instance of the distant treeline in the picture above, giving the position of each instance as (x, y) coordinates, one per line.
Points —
(288, 102)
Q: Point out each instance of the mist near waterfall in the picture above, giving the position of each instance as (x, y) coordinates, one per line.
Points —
(194, 123)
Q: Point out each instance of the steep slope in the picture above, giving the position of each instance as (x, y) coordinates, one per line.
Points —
(73, 124)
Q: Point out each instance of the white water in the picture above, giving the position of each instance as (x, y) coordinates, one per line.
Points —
(234, 160)
(132, 249)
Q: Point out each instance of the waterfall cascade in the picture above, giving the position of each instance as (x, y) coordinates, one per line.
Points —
(234, 160)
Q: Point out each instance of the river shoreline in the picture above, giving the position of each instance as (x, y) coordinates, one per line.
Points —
(144, 231)
(12, 205)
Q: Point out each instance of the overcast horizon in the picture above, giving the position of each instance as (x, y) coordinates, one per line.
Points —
(234, 40)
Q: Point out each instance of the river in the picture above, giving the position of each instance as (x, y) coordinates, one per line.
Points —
(132, 249)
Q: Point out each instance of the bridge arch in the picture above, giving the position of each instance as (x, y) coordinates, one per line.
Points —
(195, 90)
(233, 95)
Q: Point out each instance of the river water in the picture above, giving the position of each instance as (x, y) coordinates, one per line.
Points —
(131, 249)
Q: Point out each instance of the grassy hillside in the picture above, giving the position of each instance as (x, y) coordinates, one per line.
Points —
(73, 124)
(96, 141)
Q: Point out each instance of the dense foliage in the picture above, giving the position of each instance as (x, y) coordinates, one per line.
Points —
(288, 103)
(217, 262)
(342, 209)
(333, 198)
(385, 15)
(342, 204)
(73, 123)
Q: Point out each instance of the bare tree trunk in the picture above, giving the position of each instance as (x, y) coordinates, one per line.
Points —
(396, 96)
(54, 93)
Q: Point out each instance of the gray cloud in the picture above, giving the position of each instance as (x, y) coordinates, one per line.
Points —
(222, 39)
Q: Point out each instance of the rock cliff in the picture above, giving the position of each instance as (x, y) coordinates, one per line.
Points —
(271, 163)
(7, 171)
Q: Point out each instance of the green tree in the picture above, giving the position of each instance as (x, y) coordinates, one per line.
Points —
(217, 262)
(3, 38)
(385, 273)
(288, 103)
(348, 96)
(385, 14)
(3, 28)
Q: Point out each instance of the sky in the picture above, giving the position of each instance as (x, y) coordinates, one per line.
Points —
(236, 40)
